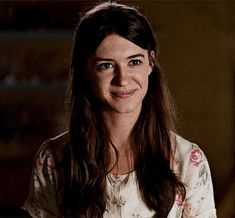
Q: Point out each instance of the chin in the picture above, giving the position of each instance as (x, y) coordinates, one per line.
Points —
(125, 109)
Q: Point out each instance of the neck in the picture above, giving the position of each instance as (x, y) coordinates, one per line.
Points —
(119, 126)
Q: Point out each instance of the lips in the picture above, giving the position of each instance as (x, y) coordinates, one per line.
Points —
(123, 94)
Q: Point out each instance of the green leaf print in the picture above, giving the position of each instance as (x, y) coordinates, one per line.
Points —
(203, 174)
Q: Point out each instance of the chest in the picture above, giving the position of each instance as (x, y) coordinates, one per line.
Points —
(124, 199)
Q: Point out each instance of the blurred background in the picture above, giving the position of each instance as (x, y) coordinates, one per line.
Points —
(197, 53)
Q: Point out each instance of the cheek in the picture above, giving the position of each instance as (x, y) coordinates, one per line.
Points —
(100, 86)
(146, 85)
(143, 81)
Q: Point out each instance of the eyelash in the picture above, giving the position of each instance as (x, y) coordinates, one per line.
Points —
(133, 62)
(107, 66)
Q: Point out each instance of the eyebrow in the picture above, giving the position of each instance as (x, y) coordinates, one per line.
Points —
(110, 59)
(136, 55)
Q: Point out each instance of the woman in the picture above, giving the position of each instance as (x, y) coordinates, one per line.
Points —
(121, 156)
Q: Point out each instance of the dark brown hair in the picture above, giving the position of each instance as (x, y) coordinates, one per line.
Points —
(87, 156)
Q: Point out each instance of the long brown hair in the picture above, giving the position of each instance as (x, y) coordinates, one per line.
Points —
(87, 154)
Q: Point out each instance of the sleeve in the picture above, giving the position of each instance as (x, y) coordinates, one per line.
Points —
(199, 201)
(41, 201)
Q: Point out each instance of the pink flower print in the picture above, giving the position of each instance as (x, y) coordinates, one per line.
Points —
(196, 157)
(49, 165)
(179, 199)
(176, 162)
(38, 165)
(36, 183)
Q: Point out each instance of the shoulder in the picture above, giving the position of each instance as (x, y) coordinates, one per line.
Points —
(192, 167)
(185, 154)
(47, 178)
(182, 148)
(50, 156)
(55, 143)
(53, 146)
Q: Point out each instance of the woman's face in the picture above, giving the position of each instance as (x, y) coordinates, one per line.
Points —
(118, 73)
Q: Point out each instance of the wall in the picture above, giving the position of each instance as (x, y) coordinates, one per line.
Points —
(197, 53)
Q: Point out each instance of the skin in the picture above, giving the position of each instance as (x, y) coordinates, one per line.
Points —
(118, 73)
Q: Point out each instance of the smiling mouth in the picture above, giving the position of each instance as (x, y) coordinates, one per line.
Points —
(123, 94)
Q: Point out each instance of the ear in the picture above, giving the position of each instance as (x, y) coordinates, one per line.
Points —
(151, 61)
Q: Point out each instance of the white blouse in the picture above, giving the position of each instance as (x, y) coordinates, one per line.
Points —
(124, 201)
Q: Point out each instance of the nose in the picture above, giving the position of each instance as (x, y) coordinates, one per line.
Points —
(121, 76)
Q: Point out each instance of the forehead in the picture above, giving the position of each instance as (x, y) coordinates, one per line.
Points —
(115, 46)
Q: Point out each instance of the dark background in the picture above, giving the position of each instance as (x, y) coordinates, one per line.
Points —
(197, 53)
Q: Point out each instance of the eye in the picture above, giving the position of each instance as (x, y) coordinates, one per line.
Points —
(135, 62)
(105, 66)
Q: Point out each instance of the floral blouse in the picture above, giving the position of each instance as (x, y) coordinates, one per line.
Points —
(124, 201)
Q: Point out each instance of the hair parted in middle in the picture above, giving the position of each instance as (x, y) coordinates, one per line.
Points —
(151, 139)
